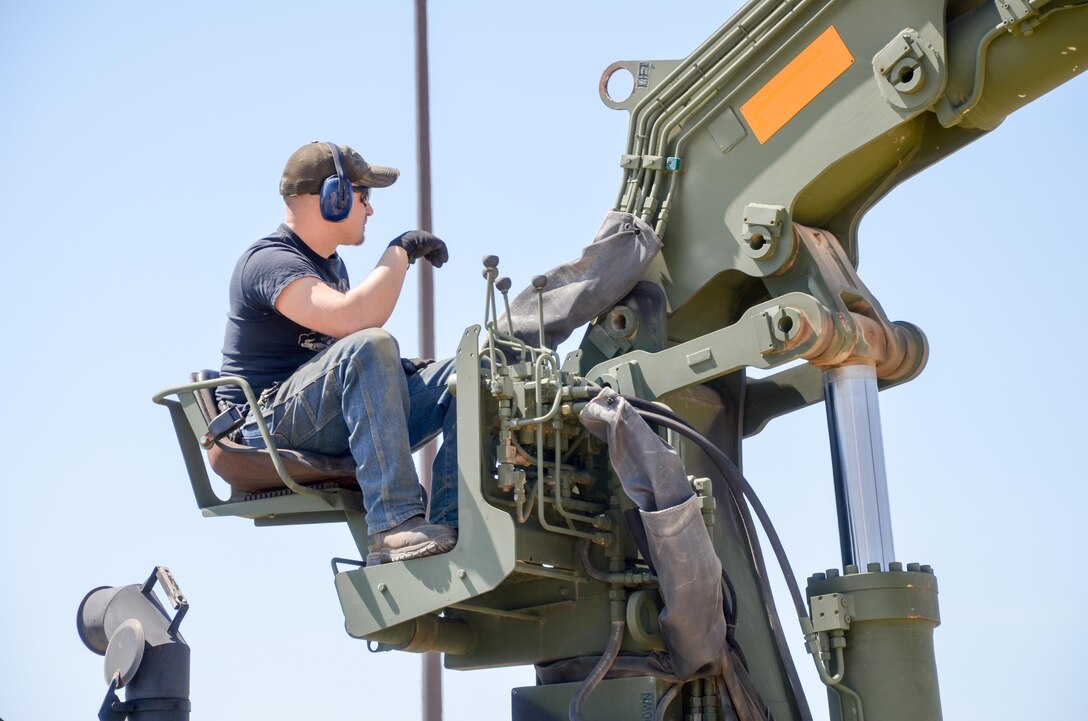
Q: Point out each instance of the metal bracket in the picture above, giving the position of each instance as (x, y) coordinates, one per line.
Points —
(173, 593)
(707, 505)
(671, 163)
(830, 612)
(909, 70)
(144, 705)
(606, 343)
(653, 162)
(1019, 16)
(114, 709)
(775, 328)
(900, 62)
(762, 228)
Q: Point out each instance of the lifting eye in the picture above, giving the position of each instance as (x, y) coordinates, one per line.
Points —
(619, 85)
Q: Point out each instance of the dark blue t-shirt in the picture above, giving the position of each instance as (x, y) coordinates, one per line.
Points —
(260, 344)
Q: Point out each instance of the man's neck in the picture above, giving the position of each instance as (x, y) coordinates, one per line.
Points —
(316, 237)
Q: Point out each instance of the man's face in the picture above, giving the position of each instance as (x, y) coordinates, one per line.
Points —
(355, 224)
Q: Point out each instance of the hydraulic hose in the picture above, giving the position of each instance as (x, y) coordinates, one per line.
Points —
(593, 572)
(611, 651)
(729, 610)
(641, 404)
(741, 487)
(666, 700)
(627, 578)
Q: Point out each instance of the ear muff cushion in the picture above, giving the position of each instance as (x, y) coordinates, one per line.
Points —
(336, 195)
(335, 204)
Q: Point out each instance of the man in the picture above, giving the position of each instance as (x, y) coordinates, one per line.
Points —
(330, 380)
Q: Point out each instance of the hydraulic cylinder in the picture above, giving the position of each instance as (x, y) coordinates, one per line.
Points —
(876, 632)
(857, 457)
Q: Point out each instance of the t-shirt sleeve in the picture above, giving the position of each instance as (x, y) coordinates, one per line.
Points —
(268, 271)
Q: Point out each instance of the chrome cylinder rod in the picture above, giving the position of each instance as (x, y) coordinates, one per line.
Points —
(857, 457)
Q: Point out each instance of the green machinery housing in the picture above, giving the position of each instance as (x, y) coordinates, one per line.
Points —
(753, 160)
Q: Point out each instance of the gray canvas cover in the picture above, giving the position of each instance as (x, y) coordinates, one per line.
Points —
(580, 290)
(688, 570)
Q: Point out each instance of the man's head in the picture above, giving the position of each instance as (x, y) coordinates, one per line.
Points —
(310, 165)
(305, 175)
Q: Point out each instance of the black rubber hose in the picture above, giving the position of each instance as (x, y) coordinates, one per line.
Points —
(587, 564)
(741, 487)
(729, 610)
(666, 699)
(615, 640)
(736, 495)
(641, 404)
(729, 599)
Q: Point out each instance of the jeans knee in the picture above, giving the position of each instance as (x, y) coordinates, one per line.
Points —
(375, 343)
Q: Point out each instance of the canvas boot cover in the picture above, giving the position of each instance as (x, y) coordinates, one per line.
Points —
(688, 570)
(650, 471)
(580, 290)
(690, 577)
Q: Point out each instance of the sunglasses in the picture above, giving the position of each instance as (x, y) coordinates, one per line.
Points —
(365, 193)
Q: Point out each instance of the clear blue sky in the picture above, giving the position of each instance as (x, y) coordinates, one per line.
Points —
(141, 145)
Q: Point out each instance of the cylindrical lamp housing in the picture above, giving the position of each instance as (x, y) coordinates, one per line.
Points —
(143, 652)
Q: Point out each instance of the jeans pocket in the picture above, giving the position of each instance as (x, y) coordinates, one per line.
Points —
(251, 432)
(312, 418)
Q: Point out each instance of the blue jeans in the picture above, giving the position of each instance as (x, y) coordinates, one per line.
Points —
(356, 397)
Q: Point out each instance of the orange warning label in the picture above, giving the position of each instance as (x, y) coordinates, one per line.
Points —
(794, 87)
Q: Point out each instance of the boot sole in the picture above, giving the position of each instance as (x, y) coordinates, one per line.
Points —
(430, 548)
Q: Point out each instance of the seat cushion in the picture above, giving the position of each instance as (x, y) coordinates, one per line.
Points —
(248, 470)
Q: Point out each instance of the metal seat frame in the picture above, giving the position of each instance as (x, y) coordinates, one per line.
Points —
(317, 496)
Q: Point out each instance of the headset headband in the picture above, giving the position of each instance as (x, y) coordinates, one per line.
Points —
(342, 189)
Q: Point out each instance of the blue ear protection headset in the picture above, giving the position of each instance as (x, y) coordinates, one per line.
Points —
(336, 193)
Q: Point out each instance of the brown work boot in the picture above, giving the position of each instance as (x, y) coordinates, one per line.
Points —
(414, 538)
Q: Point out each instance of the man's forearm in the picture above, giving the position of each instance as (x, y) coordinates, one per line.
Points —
(371, 303)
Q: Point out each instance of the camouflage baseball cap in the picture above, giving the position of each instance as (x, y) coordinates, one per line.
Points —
(308, 167)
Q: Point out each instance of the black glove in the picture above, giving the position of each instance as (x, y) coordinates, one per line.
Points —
(421, 244)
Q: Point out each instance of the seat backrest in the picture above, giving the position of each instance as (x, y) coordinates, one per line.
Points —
(249, 470)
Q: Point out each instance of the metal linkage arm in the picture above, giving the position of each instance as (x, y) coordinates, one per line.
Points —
(819, 265)
(768, 335)
(795, 325)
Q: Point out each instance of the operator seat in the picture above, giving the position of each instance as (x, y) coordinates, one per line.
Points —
(306, 488)
(250, 470)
